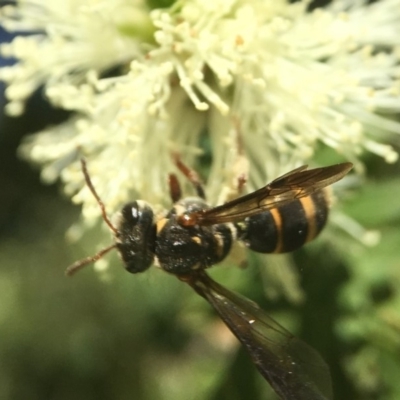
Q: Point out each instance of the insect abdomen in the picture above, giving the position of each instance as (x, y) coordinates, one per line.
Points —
(285, 228)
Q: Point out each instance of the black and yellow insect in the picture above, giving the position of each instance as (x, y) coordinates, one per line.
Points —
(192, 236)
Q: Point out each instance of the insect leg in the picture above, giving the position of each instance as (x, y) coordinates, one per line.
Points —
(241, 164)
(175, 191)
(190, 174)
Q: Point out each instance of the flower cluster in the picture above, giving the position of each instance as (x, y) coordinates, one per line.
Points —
(263, 80)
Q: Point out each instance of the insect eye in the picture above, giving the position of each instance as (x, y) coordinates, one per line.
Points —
(131, 212)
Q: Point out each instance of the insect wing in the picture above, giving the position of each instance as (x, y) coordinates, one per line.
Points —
(294, 369)
(294, 185)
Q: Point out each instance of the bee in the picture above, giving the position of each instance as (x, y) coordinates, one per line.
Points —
(192, 236)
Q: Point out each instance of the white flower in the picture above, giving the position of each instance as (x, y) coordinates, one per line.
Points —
(287, 79)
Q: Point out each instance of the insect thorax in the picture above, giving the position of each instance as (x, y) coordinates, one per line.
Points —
(180, 250)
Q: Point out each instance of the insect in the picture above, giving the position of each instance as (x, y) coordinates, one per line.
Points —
(192, 236)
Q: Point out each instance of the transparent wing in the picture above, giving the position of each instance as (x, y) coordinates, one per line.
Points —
(294, 369)
(294, 185)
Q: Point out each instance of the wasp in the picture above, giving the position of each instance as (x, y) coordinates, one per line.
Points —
(192, 236)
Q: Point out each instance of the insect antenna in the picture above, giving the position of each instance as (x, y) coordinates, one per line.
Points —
(97, 197)
(78, 265)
